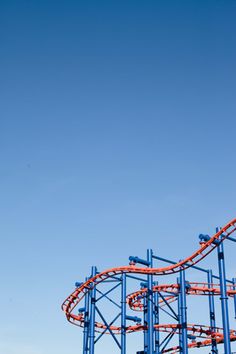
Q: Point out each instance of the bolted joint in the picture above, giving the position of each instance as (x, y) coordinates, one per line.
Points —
(78, 284)
(134, 260)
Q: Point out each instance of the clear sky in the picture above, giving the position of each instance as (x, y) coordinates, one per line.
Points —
(117, 133)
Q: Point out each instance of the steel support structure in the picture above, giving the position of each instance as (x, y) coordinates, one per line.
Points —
(86, 321)
(150, 331)
(180, 319)
(138, 287)
(212, 312)
(224, 297)
(234, 287)
(145, 324)
(156, 321)
(123, 313)
(183, 312)
(92, 314)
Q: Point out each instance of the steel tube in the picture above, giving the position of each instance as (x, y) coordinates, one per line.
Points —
(86, 322)
(123, 314)
(234, 287)
(150, 331)
(224, 298)
(145, 322)
(92, 315)
(183, 310)
(212, 312)
(156, 322)
(180, 319)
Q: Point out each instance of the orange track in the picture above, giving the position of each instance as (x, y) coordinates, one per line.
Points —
(134, 299)
(206, 248)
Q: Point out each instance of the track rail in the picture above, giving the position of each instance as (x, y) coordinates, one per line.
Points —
(206, 248)
(201, 289)
(133, 299)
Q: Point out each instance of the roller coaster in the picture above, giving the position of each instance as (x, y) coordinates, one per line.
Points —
(86, 306)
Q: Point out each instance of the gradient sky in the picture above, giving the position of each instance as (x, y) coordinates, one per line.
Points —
(117, 133)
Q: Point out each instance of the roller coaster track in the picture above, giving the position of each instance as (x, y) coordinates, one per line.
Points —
(133, 299)
(135, 303)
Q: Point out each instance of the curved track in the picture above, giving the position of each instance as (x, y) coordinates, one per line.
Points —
(134, 302)
(134, 299)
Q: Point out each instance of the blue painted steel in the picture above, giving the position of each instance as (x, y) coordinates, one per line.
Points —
(152, 343)
(156, 322)
(167, 340)
(108, 326)
(107, 297)
(234, 287)
(145, 322)
(123, 314)
(86, 322)
(150, 331)
(144, 284)
(134, 319)
(183, 310)
(212, 312)
(139, 260)
(92, 315)
(108, 329)
(180, 320)
(231, 239)
(78, 284)
(174, 316)
(204, 238)
(224, 298)
(108, 291)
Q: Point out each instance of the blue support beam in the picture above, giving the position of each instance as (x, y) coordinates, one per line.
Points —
(150, 331)
(136, 259)
(86, 322)
(212, 312)
(123, 313)
(119, 325)
(145, 323)
(224, 298)
(183, 311)
(180, 319)
(156, 322)
(234, 287)
(92, 315)
(108, 326)
(167, 340)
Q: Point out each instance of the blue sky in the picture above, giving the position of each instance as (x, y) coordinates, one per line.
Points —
(117, 133)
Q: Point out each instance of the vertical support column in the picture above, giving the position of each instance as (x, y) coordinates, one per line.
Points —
(212, 312)
(156, 321)
(183, 310)
(180, 319)
(92, 315)
(145, 322)
(234, 287)
(123, 313)
(150, 331)
(224, 298)
(86, 322)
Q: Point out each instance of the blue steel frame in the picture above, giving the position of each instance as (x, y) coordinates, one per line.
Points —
(183, 313)
(224, 298)
(151, 308)
(156, 322)
(212, 311)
